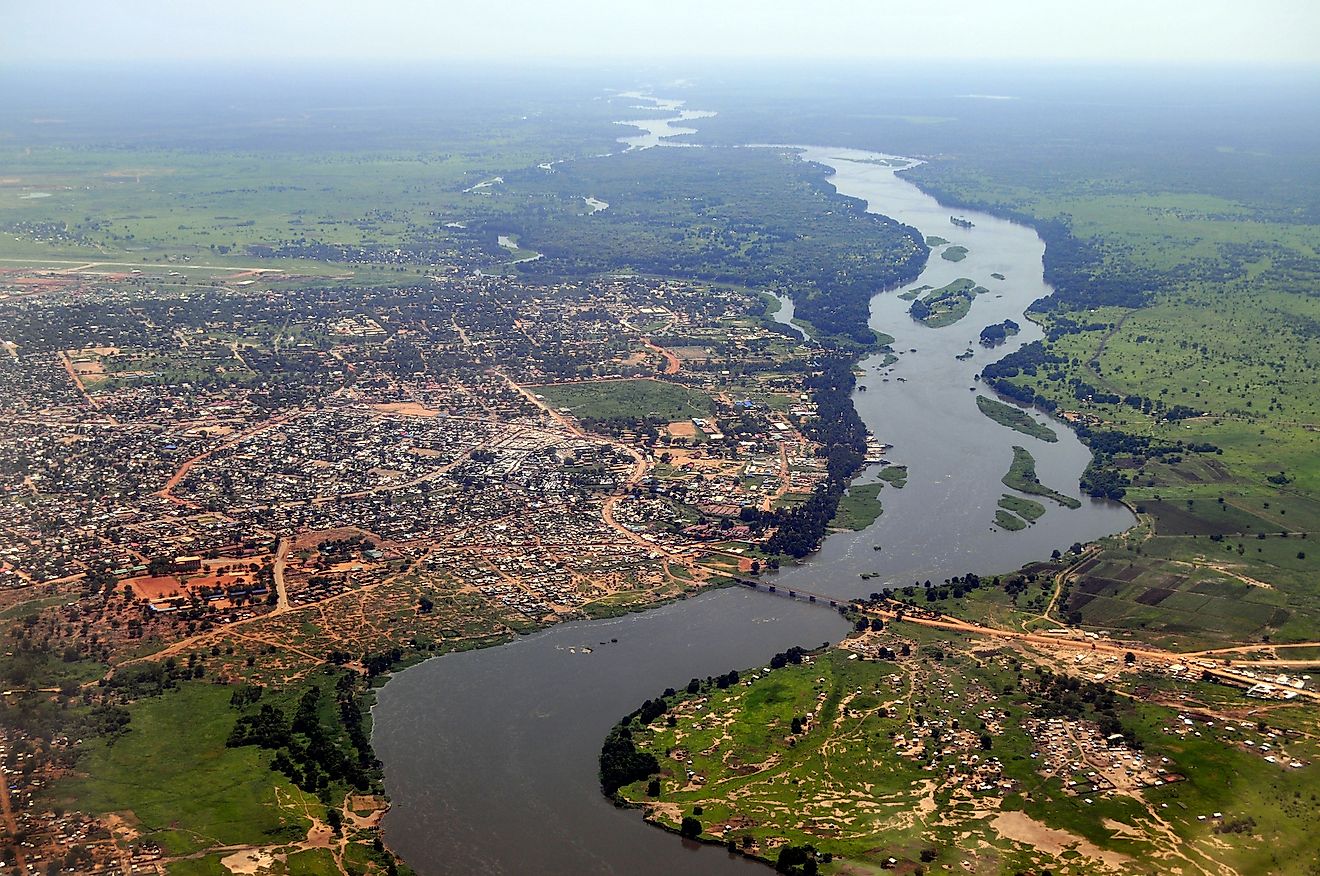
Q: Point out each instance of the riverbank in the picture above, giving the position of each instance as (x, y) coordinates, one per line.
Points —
(524, 765)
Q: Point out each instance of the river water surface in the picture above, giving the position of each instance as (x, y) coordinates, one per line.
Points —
(490, 756)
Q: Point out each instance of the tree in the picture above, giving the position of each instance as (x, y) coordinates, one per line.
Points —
(1129, 658)
(690, 828)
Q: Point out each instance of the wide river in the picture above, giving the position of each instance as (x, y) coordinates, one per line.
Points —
(490, 756)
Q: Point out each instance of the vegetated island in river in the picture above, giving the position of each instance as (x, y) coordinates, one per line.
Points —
(1022, 477)
(994, 335)
(954, 254)
(860, 506)
(894, 475)
(1015, 418)
(947, 304)
(1015, 512)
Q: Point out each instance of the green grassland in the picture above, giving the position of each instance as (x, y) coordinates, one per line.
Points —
(1185, 591)
(1011, 522)
(1022, 477)
(182, 786)
(1014, 418)
(627, 400)
(894, 475)
(309, 182)
(1024, 508)
(854, 782)
(859, 507)
(177, 207)
(1016, 513)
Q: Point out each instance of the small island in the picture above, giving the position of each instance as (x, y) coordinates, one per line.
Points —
(895, 476)
(961, 222)
(1022, 477)
(1016, 512)
(934, 240)
(947, 304)
(954, 254)
(1015, 418)
(994, 335)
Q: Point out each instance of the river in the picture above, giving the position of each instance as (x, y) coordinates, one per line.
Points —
(659, 132)
(490, 756)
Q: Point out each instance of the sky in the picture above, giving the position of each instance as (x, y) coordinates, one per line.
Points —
(1257, 32)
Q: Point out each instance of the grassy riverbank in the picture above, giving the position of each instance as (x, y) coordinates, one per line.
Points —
(859, 507)
(912, 744)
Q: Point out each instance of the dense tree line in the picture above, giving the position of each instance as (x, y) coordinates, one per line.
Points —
(320, 746)
(621, 763)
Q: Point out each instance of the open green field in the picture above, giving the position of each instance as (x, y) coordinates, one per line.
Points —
(1022, 477)
(1187, 590)
(859, 507)
(1015, 418)
(627, 399)
(183, 787)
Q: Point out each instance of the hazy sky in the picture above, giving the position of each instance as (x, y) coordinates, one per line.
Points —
(1269, 31)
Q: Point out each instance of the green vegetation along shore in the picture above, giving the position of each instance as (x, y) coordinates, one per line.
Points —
(908, 748)
(859, 507)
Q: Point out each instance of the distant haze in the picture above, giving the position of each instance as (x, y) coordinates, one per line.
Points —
(578, 31)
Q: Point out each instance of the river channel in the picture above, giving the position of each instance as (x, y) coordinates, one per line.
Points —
(490, 756)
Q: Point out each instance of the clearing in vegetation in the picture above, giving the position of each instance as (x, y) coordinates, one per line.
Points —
(641, 399)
